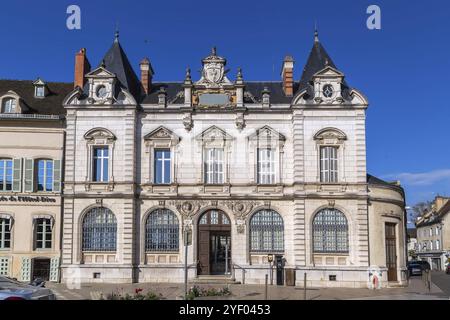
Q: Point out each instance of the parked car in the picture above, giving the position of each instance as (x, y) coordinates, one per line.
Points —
(11, 289)
(415, 268)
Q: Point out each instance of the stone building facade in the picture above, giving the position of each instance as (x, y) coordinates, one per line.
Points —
(433, 234)
(247, 170)
(31, 170)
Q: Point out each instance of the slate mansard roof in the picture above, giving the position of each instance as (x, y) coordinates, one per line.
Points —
(51, 104)
(117, 62)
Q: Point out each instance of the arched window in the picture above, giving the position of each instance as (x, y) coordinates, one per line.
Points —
(9, 105)
(99, 230)
(161, 231)
(330, 229)
(266, 232)
(214, 217)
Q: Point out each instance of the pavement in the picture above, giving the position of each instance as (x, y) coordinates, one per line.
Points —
(415, 291)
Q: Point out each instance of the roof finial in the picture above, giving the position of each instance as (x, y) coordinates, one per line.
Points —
(316, 32)
(239, 75)
(188, 74)
(214, 51)
(116, 34)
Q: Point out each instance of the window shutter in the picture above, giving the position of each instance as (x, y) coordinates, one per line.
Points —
(17, 175)
(57, 176)
(5, 266)
(25, 272)
(29, 175)
(54, 269)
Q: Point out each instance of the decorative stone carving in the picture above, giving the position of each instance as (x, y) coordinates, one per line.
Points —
(240, 121)
(188, 208)
(188, 122)
(188, 225)
(213, 73)
(99, 134)
(241, 208)
(162, 203)
(240, 226)
(331, 203)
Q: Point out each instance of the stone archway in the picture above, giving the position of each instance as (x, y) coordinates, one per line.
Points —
(214, 243)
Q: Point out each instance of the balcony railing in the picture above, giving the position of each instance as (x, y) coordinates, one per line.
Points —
(30, 116)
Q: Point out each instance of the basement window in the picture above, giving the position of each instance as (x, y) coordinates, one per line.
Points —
(332, 277)
(97, 275)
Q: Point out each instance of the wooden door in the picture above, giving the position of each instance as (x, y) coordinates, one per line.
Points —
(391, 251)
(203, 252)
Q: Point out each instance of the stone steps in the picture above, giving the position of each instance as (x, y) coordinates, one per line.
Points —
(214, 280)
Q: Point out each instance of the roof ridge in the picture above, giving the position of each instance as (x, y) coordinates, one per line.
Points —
(23, 80)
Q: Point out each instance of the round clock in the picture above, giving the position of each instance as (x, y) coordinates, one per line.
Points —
(101, 92)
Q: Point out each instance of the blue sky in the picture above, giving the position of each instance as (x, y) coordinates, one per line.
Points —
(402, 68)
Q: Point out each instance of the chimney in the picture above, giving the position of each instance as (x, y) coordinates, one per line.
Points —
(287, 74)
(82, 67)
(439, 202)
(146, 75)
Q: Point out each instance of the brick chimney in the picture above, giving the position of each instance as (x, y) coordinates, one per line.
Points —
(287, 74)
(82, 67)
(146, 75)
(439, 202)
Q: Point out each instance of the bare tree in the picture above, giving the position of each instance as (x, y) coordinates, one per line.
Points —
(421, 208)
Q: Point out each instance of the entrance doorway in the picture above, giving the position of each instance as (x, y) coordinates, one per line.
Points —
(436, 264)
(214, 244)
(391, 251)
(41, 269)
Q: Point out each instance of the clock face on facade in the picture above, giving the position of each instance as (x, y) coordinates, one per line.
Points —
(101, 92)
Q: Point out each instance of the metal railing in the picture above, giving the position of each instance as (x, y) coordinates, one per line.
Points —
(234, 267)
(31, 116)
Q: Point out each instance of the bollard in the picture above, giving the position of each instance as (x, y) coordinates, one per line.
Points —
(266, 288)
(304, 286)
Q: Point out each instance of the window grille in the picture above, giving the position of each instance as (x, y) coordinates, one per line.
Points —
(5, 233)
(162, 231)
(5, 266)
(267, 232)
(100, 231)
(330, 229)
(214, 166)
(266, 166)
(214, 217)
(328, 165)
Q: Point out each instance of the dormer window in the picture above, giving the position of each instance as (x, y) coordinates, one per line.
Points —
(39, 88)
(39, 92)
(9, 105)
